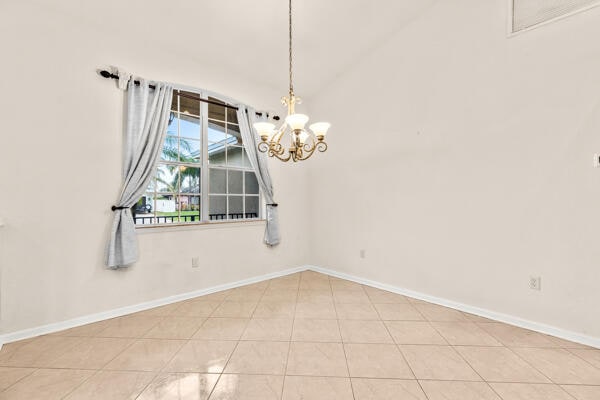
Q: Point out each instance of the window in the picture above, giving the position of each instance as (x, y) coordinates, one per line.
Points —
(529, 13)
(203, 173)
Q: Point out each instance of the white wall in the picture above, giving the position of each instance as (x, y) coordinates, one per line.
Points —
(60, 169)
(461, 161)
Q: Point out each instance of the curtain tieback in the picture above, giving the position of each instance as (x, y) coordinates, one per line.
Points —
(115, 208)
(272, 204)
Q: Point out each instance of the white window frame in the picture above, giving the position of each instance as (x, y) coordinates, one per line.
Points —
(510, 32)
(205, 172)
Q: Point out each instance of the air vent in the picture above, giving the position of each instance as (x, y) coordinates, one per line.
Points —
(529, 13)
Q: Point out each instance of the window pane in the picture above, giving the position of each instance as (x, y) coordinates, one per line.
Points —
(236, 207)
(189, 207)
(216, 154)
(217, 181)
(246, 160)
(217, 207)
(216, 111)
(142, 210)
(251, 183)
(165, 209)
(251, 206)
(189, 106)
(170, 150)
(216, 132)
(234, 156)
(173, 122)
(232, 115)
(189, 150)
(233, 131)
(167, 179)
(189, 126)
(234, 183)
(190, 179)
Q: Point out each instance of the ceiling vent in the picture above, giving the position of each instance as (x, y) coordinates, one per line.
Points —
(530, 13)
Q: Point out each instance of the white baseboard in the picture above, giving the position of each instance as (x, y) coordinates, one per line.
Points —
(509, 319)
(493, 315)
(118, 312)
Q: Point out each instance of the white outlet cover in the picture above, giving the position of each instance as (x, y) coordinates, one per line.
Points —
(535, 282)
(195, 262)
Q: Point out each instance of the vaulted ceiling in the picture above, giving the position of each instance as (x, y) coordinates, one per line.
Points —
(250, 37)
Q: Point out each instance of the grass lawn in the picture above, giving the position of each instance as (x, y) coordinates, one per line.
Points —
(174, 213)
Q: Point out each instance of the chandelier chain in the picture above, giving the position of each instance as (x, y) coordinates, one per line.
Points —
(290, 30)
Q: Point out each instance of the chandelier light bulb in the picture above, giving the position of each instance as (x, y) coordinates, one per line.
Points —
(320, 128)
(302, 136)
(296, 121)
(264, 129)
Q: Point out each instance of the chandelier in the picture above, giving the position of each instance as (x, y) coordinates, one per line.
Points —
(303, 143)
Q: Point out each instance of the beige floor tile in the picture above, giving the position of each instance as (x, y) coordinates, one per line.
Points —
(248, 387)
(195, 308)
(175, 328)
(513, 336)
(46, 384)
(317, 359)
(499, 364)
(591, 356)
(376, 361)
(530, 391)
(567, 344)
(146, 355)
(350, 296)
(437, 362)
(315, 310)
(36, 352)
(90, 353)
(112, 385)
(414, 332)
(433, 312)
(582, 392)
(275, 309)
(214, 297)
(315, 296)
(340, 284)
(221, 329)
(382, 297)
(88, 330)
(162, 311)
(476, 318)
(234, 309)
(364, 332)
(10, 375)
(130, 326)
(245, 295)
(268, 329)
(316, 330)
(561, 366)
(465, 333)
(387, 389)
(314, 285)
(208, 356)
(258, 358)
(448, 390)
(363, 311)
(398, 312)
(280, 296)
(316, 388)
(180, 386)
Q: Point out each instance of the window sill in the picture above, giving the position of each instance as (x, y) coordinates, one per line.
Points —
(141, 229)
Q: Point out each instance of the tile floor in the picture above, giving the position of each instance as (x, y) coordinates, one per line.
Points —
(304, 336)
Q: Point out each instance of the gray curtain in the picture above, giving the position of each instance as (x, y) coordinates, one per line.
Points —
(246, 118)
(147, 120)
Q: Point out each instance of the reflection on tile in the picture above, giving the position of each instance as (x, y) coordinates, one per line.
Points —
(316, 388)
(364, 332)
(386, 389)
(248, 387)
(499, 364)
(112, 385)
(46, 384)
(561, 366)
(180, 386)
(316, 330)
(317, 359)
(437, 362)
(414, 332)
(221, 329)
(9, 376)
(376, 361)
(146, 355)
(258, 358)
(529, 391)
(448, 390)
(202, 356)
(268, 329)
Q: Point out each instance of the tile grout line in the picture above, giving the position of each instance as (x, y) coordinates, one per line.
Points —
(337, 319)
(287, 360)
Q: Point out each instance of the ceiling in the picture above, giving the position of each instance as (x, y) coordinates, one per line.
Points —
(250, 37)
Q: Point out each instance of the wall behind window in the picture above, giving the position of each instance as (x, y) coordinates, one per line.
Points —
(61, 169)
(477, 171)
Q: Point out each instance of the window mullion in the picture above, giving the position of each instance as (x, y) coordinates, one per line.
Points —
(204, 149)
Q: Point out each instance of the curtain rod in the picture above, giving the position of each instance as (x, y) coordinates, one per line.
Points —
(109, 75)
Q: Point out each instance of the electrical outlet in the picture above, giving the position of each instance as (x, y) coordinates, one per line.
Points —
(535, 282)
(363, 253)
(195, 262)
